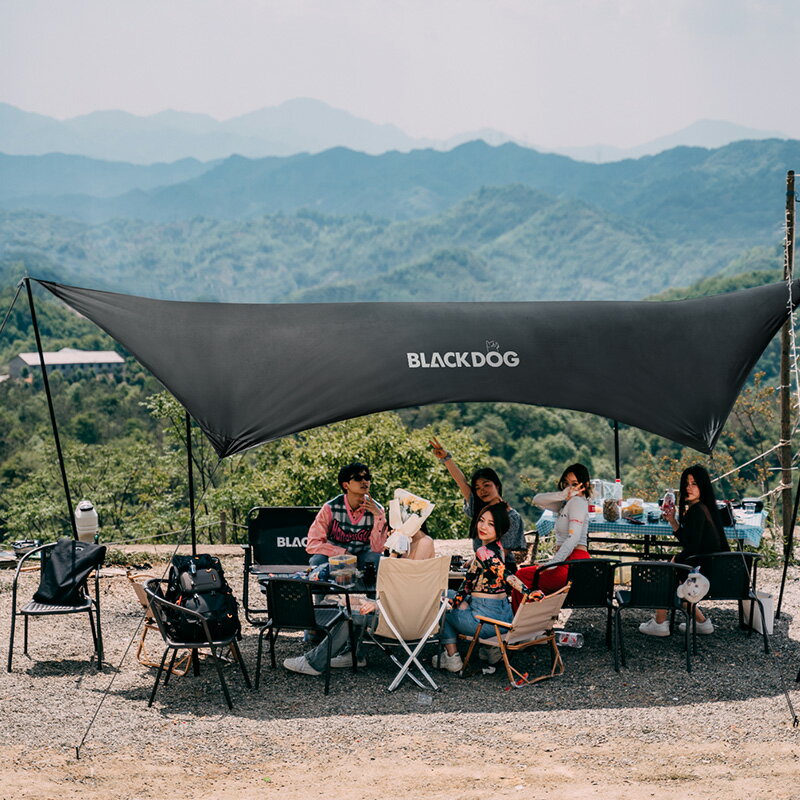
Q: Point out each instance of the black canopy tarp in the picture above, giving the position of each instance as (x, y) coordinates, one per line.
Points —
(249, 373)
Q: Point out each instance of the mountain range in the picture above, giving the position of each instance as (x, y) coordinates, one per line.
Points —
(732, 194)
(301, 125)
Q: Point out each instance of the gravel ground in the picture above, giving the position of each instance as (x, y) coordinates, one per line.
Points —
(651, 731)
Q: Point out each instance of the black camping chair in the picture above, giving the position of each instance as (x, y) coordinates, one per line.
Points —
(653, 585)
(165, 614)
(292, 607)
(276, 544)
(732, 576)
(65, 569)
(591, 585)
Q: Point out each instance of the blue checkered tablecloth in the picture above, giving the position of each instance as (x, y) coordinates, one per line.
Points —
(748, 534)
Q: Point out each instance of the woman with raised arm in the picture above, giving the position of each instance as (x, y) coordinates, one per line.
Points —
(699, 530)
(484, 489)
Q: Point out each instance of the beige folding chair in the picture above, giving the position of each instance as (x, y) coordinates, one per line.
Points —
(532, 624)
(181, 666)
(411, 599)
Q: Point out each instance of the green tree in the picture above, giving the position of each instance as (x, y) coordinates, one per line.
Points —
(302, 469)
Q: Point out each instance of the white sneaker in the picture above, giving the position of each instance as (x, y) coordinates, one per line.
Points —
(344, 660)
(490, 654)
(702, 627)
(653, 628)
(450, 663)
(300, 664)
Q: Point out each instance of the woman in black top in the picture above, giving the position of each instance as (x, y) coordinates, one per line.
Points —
(699, 530)
(698, 526)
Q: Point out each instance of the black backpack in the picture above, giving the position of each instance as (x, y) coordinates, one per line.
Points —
(198, 583)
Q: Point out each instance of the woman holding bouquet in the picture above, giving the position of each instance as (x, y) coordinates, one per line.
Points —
(484, 489)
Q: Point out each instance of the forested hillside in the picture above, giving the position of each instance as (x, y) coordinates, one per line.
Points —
(510, 243)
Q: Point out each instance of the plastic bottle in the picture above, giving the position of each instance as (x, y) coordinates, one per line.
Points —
(668, 503)
(618, 495)
(569, 639)
(86, 521)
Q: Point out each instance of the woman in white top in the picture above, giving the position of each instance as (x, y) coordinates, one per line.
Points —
(571, 505)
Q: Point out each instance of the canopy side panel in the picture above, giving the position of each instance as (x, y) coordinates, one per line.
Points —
(249, 373)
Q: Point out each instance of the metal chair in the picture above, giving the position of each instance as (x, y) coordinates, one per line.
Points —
(65, 569)
(653, 586)
(165, 614)
(291, 606)
(591, 585)
(732, 576)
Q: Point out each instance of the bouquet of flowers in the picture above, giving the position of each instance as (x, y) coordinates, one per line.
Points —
(407, 512)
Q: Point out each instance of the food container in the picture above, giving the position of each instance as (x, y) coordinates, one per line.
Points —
(610, 510)
(633, 507)
(345, 577)
(343, 561)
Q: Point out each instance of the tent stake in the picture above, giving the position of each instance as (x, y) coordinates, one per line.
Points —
(46, 382)
(191, 482)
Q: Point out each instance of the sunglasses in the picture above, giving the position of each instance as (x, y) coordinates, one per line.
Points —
(364, 477)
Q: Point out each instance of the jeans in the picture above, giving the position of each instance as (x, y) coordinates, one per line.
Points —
(463, 621)
(340, 640)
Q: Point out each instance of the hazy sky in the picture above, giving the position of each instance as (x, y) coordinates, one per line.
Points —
(554, 72)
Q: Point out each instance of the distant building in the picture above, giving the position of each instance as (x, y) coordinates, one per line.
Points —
(68, 361)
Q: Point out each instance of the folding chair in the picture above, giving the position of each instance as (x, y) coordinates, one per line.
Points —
(182, 664)
(276, 545)
(533, 624)
(65, 569)
(411, 599)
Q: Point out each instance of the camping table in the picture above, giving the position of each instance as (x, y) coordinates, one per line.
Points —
(649, 536)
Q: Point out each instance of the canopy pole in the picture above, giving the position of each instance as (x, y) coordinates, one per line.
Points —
(616, 450)
(191, 482)
(786, 410)
(70, 513)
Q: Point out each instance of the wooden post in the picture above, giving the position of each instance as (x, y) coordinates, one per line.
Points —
(788, 514)
(223, 527)
(786, 380)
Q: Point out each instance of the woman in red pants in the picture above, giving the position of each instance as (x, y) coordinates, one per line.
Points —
(571, 505)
